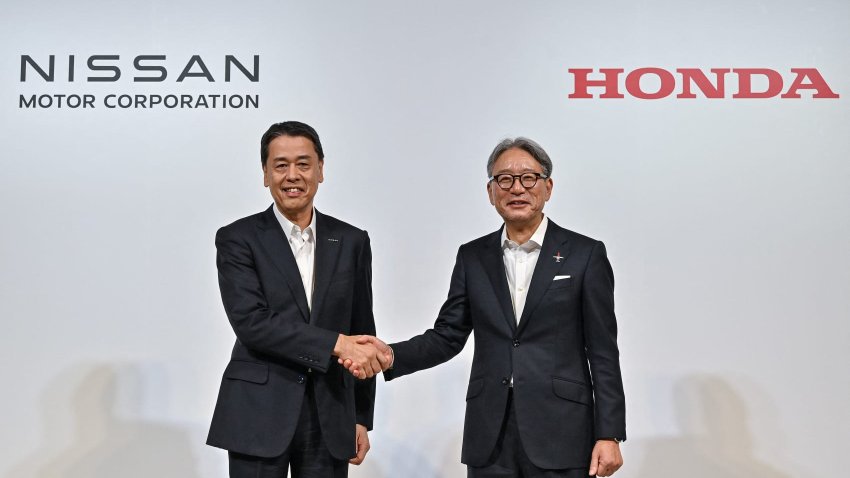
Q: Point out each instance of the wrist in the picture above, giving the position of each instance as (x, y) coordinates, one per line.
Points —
(338, 347)
(613, 439)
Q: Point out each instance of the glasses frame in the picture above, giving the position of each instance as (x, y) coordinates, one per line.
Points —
(517, 177)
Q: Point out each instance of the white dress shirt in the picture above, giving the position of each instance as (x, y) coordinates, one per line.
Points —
(303, 245)
(520, 260)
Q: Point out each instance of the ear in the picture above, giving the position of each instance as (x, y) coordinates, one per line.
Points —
(490, 195)
(321, 170)
(549, 185)
(266, 181)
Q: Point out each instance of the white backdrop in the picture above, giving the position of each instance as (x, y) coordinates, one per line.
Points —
(727, 221)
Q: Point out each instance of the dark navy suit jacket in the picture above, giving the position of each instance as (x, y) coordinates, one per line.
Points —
(280, 342)
(563, 355)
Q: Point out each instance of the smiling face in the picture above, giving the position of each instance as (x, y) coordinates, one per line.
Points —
(518, 206)
(293, 172)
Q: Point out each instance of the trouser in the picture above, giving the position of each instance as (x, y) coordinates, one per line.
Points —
(307, 455)
(510, 460)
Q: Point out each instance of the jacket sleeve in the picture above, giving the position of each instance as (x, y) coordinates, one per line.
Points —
(363, 323)
(445, 339)
(275, 333)
(600, 337)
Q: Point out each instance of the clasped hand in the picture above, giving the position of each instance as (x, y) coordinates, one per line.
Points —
(363, 355)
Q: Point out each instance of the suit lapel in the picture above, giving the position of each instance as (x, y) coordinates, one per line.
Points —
(554, 244)
(277, 245)
(328, 247)
(491, 258)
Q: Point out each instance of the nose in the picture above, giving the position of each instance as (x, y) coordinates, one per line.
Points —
(291, 174)
(517, 187)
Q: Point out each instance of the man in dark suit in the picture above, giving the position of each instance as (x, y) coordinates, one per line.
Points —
(545, 396)
(296, 286)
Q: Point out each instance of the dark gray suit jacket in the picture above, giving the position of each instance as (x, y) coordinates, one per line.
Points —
(278, 339)
(563, 356)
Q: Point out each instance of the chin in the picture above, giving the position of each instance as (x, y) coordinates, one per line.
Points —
(513, 220)
(517, 216)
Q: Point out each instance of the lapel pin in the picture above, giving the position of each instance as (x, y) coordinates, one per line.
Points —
(558, 256)
(333, 240)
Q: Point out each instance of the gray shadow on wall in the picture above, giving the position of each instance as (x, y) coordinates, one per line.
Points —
(101, 444)
(717, 443)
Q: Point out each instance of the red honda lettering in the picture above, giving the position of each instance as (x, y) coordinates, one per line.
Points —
(582, 83)
(816, 82)
(668, 83)
(745, 83)
(695, 75)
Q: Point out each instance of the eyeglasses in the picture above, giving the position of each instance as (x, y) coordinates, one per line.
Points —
(528, 180)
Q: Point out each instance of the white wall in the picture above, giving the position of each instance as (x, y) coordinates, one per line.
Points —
(727, 221)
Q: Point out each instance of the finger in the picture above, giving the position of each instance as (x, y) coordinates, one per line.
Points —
(358, 458)
(361, 455)
(594, 463)
(366, 449)
(384, 361)
(362, 449)
(364, 339)
(371, 370)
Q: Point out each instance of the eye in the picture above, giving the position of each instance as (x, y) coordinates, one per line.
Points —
(505, 180)
(303, 166)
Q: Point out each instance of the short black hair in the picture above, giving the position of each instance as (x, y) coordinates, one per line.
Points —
(289, 128)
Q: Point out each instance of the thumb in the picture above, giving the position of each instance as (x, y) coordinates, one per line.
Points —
(594, 463)
(363, 339)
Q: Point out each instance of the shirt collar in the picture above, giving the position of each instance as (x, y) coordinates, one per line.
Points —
(536, 240)
(288, 225)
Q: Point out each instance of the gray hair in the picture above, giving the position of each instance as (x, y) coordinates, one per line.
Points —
(531, 147)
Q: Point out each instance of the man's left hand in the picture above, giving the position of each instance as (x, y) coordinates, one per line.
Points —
(361, 437)
(606, 458)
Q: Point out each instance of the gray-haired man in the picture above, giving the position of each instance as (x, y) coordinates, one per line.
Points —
(545, 396)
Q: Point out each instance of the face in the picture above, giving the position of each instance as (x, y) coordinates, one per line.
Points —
(293, 172)
(518, 205)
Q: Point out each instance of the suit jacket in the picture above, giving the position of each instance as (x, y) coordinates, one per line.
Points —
(563, 355)
(280, 342)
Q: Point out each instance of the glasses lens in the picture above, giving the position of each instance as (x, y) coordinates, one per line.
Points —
(528, 180)
(505, 181)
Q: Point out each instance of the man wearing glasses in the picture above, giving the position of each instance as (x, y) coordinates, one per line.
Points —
(545, 396)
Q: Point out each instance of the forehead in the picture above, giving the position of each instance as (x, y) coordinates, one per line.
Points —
(291, 148)
(516, 160)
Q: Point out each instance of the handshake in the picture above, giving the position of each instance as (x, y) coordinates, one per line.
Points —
(363, 355)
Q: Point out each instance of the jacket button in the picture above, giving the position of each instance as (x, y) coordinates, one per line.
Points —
(301, 379)
(505, 381)
(516, 343)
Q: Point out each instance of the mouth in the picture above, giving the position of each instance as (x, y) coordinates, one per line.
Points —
(516, 203)
(293, 191)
